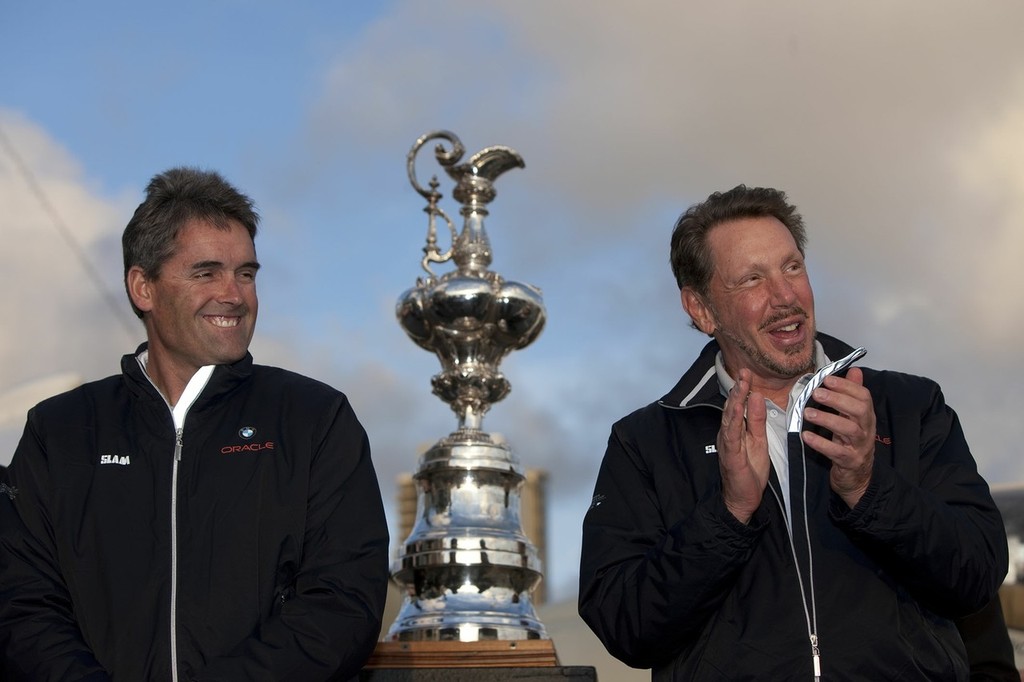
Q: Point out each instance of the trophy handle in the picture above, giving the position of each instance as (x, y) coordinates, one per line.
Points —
(432, 254)
(445, 158)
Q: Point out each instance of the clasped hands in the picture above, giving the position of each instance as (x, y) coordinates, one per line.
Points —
(743, 442)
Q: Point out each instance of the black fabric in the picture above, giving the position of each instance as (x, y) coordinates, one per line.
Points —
(669, 580)
(989, 648)
(282, 543)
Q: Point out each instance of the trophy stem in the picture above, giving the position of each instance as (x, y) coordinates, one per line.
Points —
(470, 420)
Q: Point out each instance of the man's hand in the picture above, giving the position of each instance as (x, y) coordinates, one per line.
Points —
(852, 446)
(743, 449)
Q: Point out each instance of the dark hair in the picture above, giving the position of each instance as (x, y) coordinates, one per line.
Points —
(173, 198)
(691, 257)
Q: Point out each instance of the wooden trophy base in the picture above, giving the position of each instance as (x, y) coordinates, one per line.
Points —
(525, 653)
(531, 660)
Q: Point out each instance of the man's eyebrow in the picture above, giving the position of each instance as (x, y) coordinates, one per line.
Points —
(207, 264)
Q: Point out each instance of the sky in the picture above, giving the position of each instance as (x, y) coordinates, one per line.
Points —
(896, 128)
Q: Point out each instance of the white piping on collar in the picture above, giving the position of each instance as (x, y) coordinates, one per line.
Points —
(188, 396)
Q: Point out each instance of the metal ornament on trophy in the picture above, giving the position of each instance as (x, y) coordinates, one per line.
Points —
(467, 569)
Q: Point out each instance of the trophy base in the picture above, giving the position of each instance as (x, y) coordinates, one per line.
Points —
(532, 653)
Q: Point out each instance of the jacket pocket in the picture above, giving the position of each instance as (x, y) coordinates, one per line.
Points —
(284, 586)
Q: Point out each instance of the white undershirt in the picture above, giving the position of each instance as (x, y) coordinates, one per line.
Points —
(188, 396)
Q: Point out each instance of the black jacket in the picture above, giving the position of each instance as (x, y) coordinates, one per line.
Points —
(988, 643)
(281, 563)
(670, 580)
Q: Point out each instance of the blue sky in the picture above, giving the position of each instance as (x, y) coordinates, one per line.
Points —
(898, 130)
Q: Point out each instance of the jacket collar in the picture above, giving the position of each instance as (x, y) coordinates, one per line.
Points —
(699, 385)
(223, 380)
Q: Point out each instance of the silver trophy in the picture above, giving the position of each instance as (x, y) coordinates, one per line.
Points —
(466, 568)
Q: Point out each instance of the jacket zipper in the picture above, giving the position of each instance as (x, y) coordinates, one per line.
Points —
(810, 610)
(192, 390)
(816, 657)
(806, 594)
(174, 553)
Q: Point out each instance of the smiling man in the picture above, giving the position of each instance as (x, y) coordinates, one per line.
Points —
(740, 533)
(197, 517)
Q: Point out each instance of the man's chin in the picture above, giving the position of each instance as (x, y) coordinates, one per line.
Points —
(800, 367)
(227, 356)
(791, 365)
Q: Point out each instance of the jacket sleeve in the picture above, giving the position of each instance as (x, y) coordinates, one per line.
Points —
(928, 517)
(327, 625)
(647, 588)
(38, 631)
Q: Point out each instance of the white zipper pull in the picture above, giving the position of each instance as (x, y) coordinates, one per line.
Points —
(177, 444)
(816, 657)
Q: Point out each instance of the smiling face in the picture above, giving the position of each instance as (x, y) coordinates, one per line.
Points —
(201, 307)
(759, 304)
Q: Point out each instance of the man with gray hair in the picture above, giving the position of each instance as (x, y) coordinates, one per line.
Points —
(782, 514)
(197, 517)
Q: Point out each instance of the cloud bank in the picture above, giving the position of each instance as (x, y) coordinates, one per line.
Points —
(897, 129)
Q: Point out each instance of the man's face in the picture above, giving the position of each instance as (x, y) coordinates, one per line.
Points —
(201, 308)
(759, 306)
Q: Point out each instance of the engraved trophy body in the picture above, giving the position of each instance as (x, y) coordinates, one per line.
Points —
(467, 569)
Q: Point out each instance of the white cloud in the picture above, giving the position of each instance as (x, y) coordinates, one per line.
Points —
(58, 232)
(893, 127)
(983, 252)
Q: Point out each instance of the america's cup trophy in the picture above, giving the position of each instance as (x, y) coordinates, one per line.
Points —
(467, 568)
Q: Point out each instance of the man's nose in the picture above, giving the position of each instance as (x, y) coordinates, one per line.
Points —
(230, 290)
(782, 291)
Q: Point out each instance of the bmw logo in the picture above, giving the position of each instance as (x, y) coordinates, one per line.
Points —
(247, 432)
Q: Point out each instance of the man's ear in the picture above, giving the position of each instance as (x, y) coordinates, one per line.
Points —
(698, 310)
(139, 288)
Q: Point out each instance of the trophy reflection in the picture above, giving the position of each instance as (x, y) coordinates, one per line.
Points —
(467, 569)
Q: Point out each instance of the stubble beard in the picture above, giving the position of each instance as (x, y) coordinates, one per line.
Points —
(796, 366)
